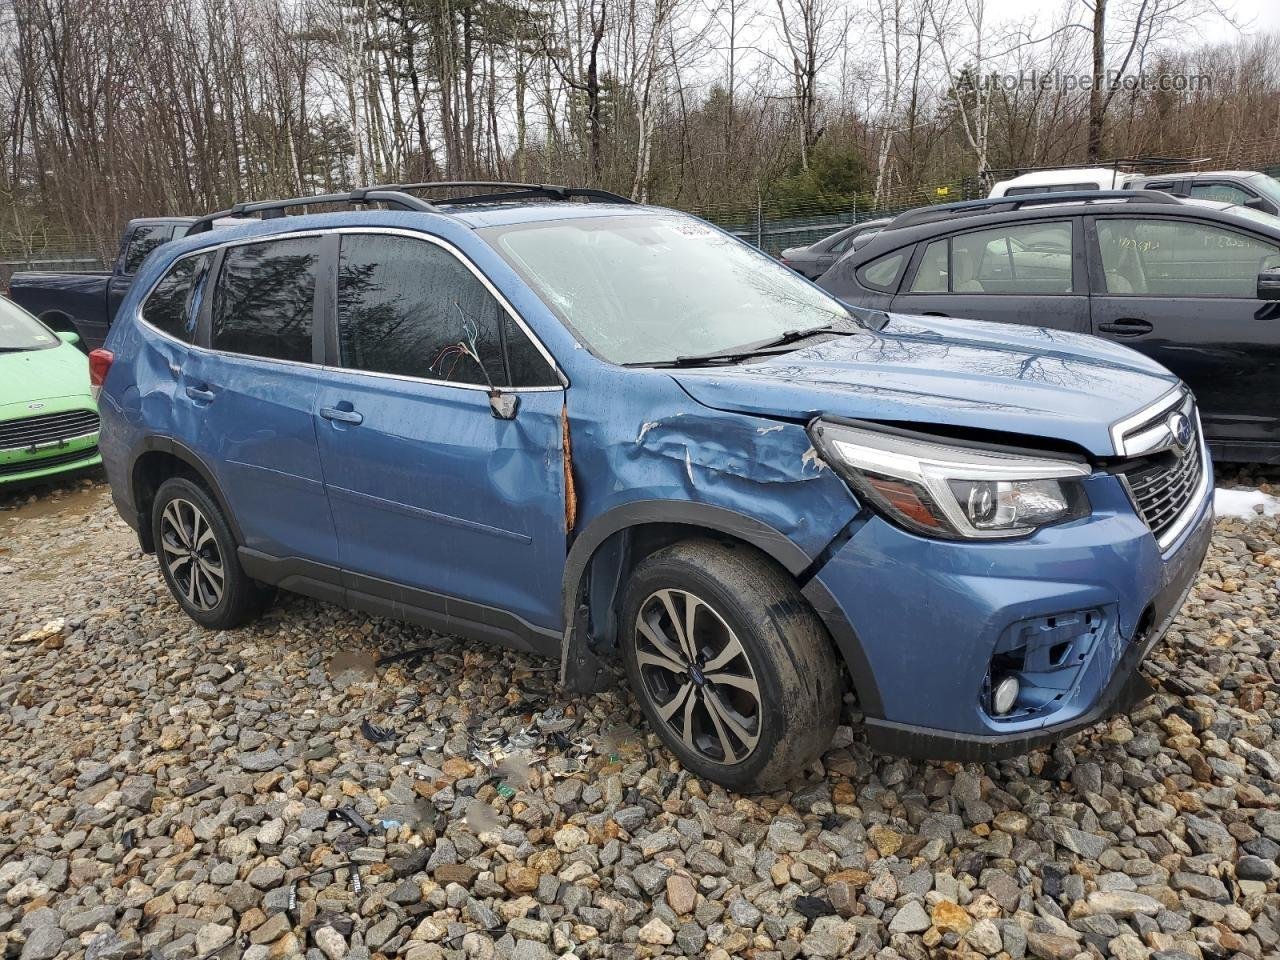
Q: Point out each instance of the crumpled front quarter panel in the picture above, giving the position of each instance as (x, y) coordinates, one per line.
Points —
(637, 436)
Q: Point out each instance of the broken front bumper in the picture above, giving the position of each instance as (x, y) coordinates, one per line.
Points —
(925, 625)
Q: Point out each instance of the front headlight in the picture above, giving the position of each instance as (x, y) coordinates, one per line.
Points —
(949, 488)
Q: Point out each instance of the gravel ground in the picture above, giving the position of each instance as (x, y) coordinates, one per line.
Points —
(163, 790)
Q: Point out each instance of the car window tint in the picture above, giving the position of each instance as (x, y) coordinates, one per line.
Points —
(264, 300)
(1181, 258)
(145, 239)
(411, 308)
(172, 307)
(1224, 192)
(931, 275)
(883, 273)
(841, 245)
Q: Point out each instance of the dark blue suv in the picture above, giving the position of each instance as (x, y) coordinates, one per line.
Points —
(613, 434)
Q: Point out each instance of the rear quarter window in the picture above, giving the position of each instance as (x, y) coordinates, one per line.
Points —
(884, 272)
(173, 305)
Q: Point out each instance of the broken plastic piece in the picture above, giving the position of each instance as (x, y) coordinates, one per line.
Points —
(376, 734)
(814, 907)
(349, 814)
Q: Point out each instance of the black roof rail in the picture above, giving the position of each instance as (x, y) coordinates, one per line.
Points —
(969, 208)
(269, 209)
(503, 190)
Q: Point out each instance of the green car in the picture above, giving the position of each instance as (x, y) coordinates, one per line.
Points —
(48, 416)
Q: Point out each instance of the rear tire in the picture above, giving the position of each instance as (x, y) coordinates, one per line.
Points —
(197, 555)
(756, 696)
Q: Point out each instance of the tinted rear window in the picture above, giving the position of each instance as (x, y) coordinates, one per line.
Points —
(145, 239)
(265, 299)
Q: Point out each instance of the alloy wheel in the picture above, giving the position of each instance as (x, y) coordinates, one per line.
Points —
(191, 554)
(697, 676)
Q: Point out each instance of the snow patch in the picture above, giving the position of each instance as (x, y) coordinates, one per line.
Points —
(1244, 503)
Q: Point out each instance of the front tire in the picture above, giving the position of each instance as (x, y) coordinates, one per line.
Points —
(730, 665)
(197, 555)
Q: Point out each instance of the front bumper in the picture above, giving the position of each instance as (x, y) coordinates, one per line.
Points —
(48, 458)
(919, 622)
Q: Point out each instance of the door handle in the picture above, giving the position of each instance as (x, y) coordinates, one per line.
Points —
(935, 313)
(201, 394)
(342, 416)
(1127, 327)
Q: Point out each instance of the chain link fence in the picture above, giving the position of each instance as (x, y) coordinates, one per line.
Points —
(771, 225)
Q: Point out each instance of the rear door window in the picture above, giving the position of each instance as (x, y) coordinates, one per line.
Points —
(173, 306)
(411, 308)
(1023, 259)
(145, 238)
(264, 303)
(1224, 192)
(1181, 258)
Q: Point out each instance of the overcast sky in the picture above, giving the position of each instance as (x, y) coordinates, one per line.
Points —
(1252, 15)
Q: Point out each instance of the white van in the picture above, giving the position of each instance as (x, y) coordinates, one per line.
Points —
(1061, 181)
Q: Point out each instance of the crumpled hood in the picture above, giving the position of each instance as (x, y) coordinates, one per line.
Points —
(964, 373)
(35, 375)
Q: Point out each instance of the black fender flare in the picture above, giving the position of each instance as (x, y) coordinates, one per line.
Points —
(686, 512)
(179, 450)
(759, 534)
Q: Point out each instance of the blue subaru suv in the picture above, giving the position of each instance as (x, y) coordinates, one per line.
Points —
(613, 434)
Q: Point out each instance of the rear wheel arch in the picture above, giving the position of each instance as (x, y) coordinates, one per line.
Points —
(155, 460)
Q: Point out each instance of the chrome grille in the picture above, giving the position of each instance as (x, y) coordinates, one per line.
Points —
(1163, 488)
(49, 428)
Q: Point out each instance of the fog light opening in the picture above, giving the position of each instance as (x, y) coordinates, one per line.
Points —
(1004, 696)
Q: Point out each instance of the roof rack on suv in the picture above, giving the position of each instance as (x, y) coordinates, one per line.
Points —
(270, 209)
(504, 190)
(397, 195)
(969, 208)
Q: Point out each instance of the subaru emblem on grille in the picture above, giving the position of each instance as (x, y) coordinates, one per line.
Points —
(1180, 427)
(35, 406)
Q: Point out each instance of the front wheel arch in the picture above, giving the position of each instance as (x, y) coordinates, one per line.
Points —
(605, 552)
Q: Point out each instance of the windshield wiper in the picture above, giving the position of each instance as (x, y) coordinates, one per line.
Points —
(747, 350)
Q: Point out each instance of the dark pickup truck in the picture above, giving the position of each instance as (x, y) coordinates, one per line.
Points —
(86, 303)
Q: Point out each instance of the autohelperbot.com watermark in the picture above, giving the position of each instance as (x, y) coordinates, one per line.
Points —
(1057, 80)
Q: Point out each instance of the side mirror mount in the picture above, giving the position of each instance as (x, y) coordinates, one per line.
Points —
(505, 405)
(68, 336)
(1269, 284)
(1256, 203)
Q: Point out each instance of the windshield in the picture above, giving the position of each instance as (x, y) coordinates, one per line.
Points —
(1266, 185)
(1258, 216)
(21, 331)
(649, 289)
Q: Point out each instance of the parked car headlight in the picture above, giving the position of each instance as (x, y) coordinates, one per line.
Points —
(953, 489)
